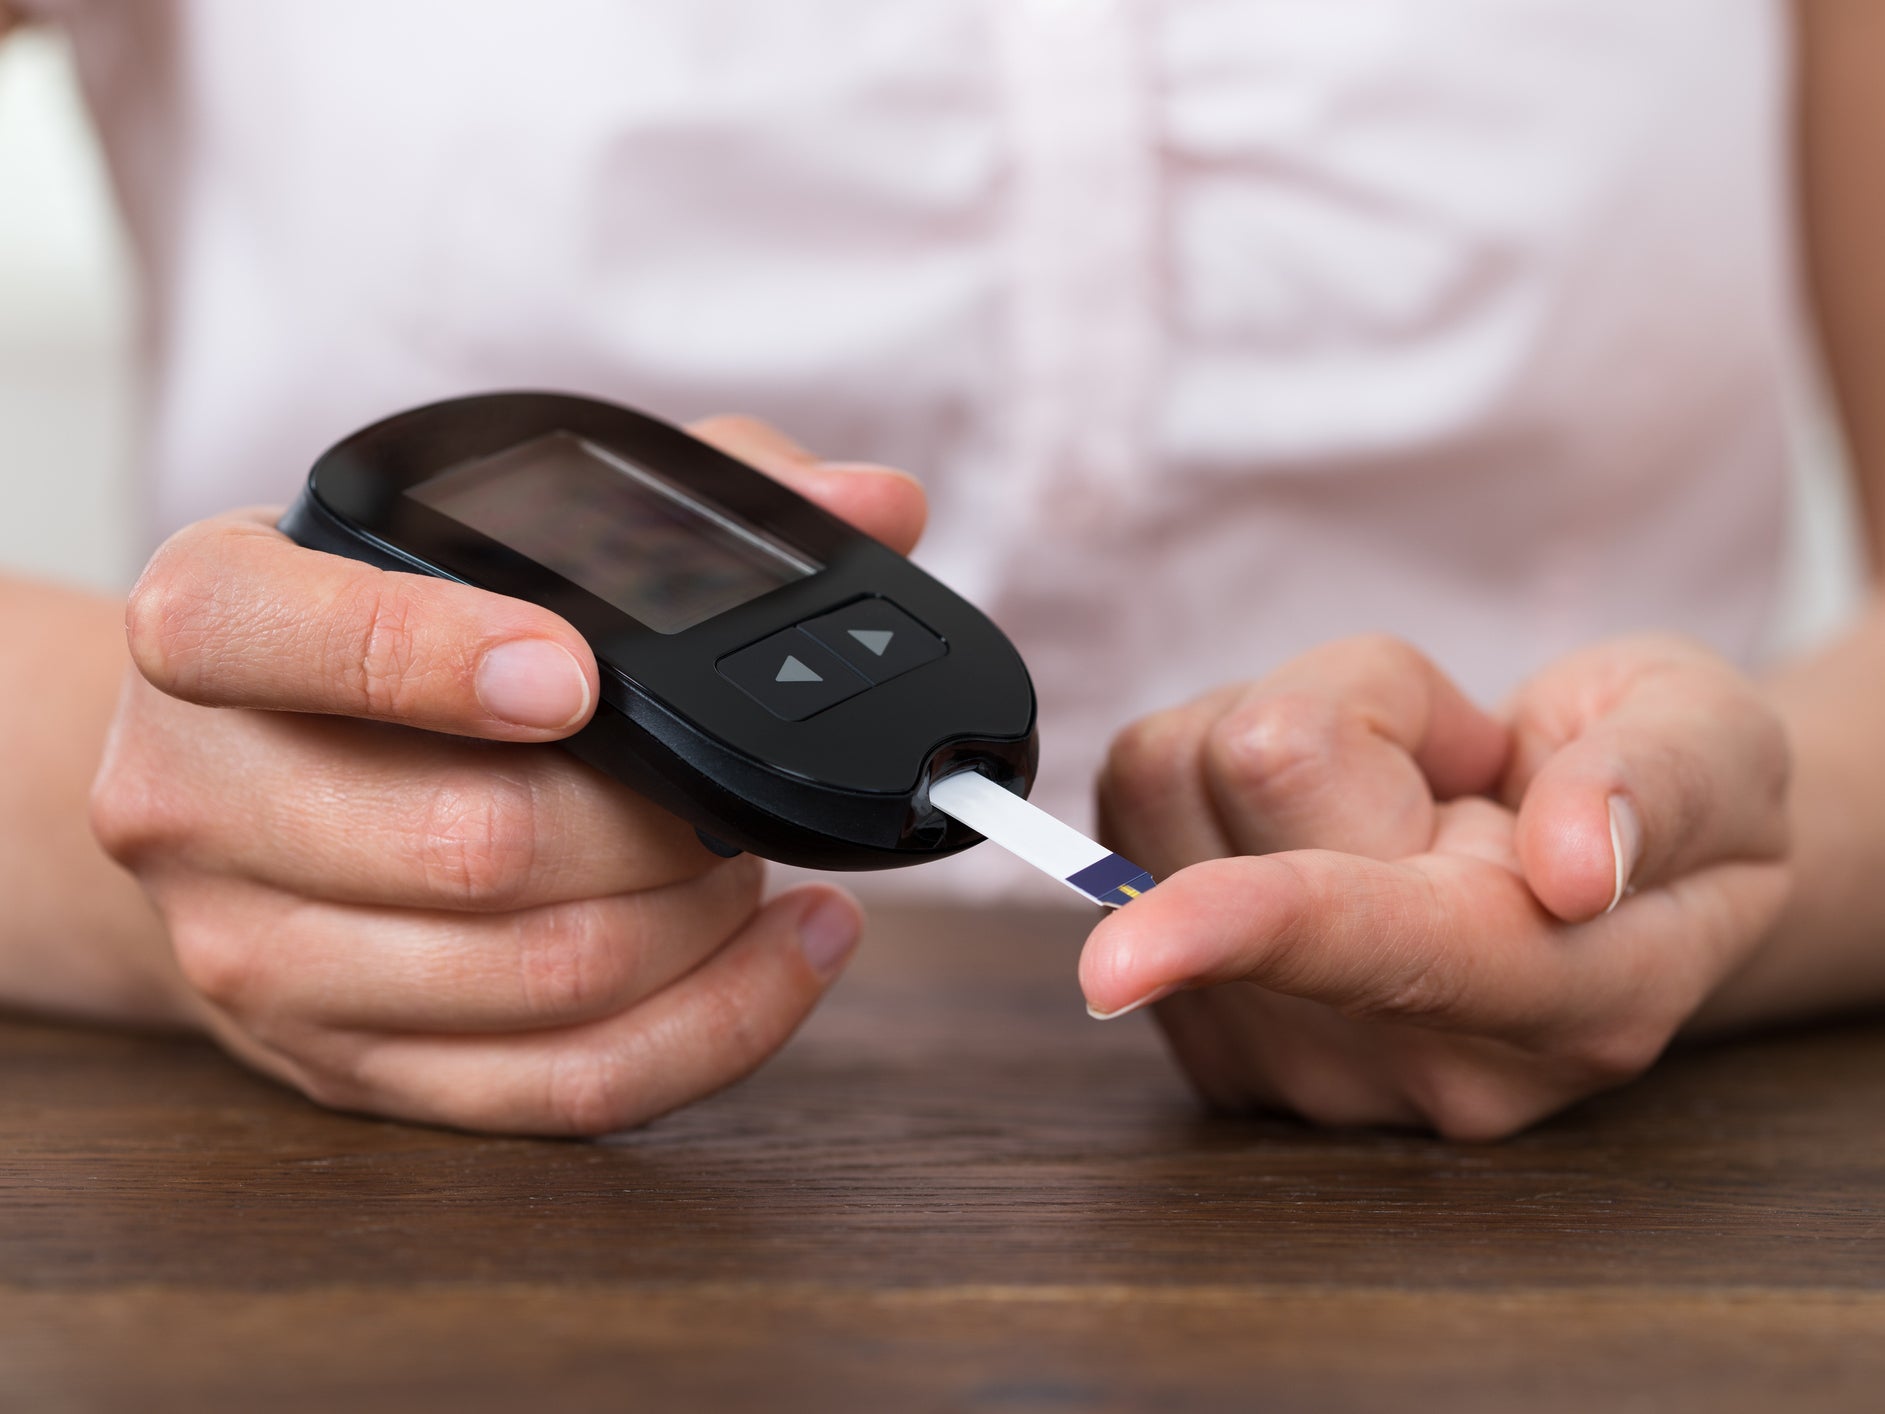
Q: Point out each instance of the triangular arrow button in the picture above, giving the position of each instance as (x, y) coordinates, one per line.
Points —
(791, 670)
(875, 639)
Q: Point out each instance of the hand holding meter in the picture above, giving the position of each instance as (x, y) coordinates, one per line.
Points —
(373, 890)
(779, 679)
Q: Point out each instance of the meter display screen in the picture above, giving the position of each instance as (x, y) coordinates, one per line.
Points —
(614, 528)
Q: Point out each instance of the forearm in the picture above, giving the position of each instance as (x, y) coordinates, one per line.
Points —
(77, 935)
(1827, 952)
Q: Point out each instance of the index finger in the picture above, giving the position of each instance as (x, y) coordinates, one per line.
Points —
(879, 500)
(1446, 940)
(232, 613)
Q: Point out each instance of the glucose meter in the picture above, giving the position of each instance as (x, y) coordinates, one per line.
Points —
(774, 676)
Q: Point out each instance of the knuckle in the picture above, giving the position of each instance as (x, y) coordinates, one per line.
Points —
(373, 651)
(165, 618)
(743, 878)
(1391, 655)
(571, 962)
(1689, 785)
(476, 841)
(740, 1028)
(220, 963)
(347, 1072)
(331, 1085)
(1484, 1121)
(113, 816)
(1466, 1104)
(1415, 982)
(1618, 1055)
(138, 802)
(588, 1092)
(1697, 790)
(1330, 1096)
(126, 816)
(1415, 992)
(1375, 668)
(1265, 742)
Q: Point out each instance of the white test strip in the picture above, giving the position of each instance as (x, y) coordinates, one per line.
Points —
(1032, 835)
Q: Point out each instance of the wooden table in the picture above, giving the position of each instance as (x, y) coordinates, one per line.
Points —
(952, 1192)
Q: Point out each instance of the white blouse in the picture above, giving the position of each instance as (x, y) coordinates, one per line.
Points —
(1216, 328)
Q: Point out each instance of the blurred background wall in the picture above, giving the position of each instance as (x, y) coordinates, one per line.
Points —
(67, 399)
(66, 409)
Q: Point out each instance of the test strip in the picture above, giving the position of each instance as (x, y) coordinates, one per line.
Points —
(1032, 835)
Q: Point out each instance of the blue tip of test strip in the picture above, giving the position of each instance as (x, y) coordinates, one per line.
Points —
(1115, 881)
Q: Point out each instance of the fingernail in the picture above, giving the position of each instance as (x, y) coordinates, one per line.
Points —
(532, 682)
(1154, 996)
(828, 933)
(1626, 844)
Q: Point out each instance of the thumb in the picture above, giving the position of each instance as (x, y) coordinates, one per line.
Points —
(884, 503)
(232, 613)
(1678, 764)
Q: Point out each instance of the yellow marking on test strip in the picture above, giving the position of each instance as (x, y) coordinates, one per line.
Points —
(1129, 891)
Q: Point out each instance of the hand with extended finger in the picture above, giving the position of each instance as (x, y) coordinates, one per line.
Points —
(1390, 907)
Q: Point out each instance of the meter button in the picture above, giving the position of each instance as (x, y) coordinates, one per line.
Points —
(877, 638)
(792, 675)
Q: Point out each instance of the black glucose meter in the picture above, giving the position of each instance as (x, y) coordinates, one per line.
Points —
(784, 682)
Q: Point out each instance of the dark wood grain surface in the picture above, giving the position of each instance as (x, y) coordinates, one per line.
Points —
(953, 1191)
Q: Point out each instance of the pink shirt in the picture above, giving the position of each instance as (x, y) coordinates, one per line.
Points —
(1216, 328)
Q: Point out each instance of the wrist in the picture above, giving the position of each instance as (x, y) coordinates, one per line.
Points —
(1822, 952)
